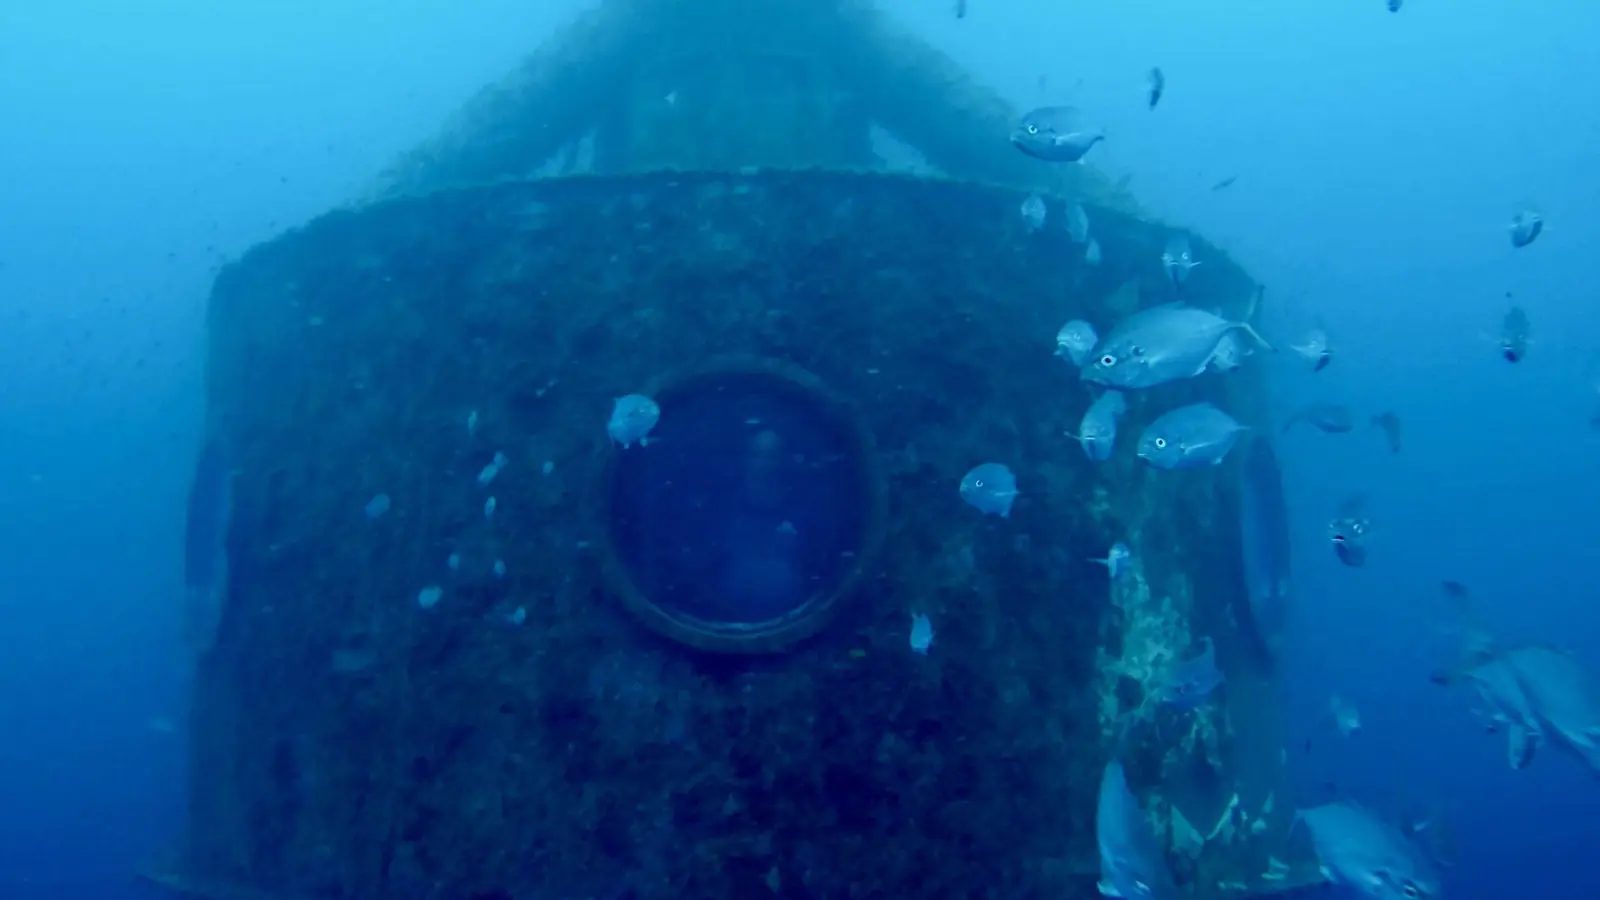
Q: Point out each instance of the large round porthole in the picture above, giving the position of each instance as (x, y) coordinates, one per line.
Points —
(751, 513)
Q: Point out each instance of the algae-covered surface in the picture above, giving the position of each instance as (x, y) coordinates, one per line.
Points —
(525, 736)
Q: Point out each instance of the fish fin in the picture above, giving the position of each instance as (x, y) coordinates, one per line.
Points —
(1249, 329)
(1106, 890)
(1096, 559)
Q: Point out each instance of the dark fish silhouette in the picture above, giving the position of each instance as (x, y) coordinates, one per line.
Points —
(961, 9)
(1225, 183)
(1158, 83)
(1515, 335)
(1331, 418)
(1389, 423)
(1394, 5)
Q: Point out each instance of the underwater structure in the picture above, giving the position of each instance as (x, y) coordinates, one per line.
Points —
(473, 648)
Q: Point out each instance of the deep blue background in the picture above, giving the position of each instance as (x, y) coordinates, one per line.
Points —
(1378, 159)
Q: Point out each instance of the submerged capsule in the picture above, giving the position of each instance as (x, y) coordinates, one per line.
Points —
(990, 488)
(632, 418)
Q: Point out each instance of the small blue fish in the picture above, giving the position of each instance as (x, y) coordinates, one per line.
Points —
(1189, 437)
(1525, 228)
(1055, 134)
(1034, 212)
(1097, 431)
(1376, 859)
(1131, 864)
(1117, 560)
(1091, 254)
(1075, 340)
(1077, 223)
(990, 488)
(921, 633)
(1188, 683)
(632, 418)
(1177, 258)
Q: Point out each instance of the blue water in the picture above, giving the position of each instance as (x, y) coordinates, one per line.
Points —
(1378, 156)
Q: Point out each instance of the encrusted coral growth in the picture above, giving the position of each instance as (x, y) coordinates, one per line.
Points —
(350, 743)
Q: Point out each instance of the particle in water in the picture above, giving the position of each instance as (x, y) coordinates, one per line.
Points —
(488, 508)
(377, 506)
(429, 595)
(454, 562)
(518, 616)
(499, 568)
(492, 469)
(548, 467)
(472, 423)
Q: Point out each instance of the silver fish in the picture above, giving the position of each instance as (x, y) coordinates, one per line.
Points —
(632, 418)
(1516, 333)
(1314, 350)
(1525, 228)
(990, 488)
(1055, 134)
(1177, 258)
(1161, 344)
(1189, 437)
(1116, 560)
(1091, 253)
(1097, 431)
(1488, 671)
(1264, 542)
(205, 557)
(1230, 353)
(1034, 212)
(1346, 717)
(1075, 341)
(1131, 864)
(1329, 418)
(1077, 223)
(1358, 849)
(1189, 682)
(1349, 530)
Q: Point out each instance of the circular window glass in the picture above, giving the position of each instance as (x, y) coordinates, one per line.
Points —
(748, 515)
